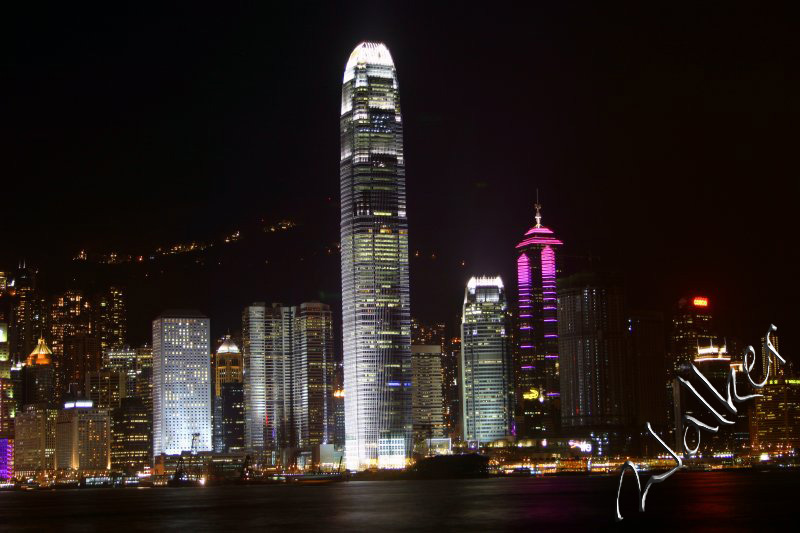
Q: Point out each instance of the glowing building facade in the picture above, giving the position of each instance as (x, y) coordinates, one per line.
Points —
(374, 253)
(288, 377)
(536, 368)
(485, 363)
(83, 438)
(427, 401)
(181, 383)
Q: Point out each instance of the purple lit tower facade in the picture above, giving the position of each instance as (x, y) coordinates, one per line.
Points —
(536, 366)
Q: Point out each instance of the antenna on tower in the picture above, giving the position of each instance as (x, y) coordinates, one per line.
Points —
(538, 207)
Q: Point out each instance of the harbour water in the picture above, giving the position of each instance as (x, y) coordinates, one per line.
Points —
(688, 501)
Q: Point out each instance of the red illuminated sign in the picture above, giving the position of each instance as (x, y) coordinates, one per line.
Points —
(700, 301)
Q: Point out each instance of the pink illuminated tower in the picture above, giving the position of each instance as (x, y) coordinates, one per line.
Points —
(536, 365)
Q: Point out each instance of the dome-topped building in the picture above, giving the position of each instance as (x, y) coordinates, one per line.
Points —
(228, 365)
(227, 346)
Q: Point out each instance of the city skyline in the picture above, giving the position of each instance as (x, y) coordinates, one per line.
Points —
(595, 173)
(570, 255)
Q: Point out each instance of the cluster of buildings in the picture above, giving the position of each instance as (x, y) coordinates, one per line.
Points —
(556, 365)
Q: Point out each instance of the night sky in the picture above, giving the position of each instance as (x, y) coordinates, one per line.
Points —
(663, 141)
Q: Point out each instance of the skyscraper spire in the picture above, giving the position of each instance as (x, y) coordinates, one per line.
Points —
(538, 207)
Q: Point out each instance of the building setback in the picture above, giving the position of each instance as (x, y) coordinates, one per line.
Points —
(181, 383)
(485, 362)
(376, 311)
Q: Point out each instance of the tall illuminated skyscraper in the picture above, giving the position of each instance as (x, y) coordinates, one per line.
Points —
(374, 250)
(288, 378)
(596, 372)
(181, 383)
(485, 362)
(536, 366)
(692, 328)
(255, 380)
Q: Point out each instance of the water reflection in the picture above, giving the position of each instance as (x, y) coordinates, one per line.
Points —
(691, 501)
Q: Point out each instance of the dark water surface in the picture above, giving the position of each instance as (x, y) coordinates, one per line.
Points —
(712, 501)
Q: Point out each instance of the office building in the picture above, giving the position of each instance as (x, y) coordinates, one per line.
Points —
(486, 390)
(83, 438)
(34, 440)
(106, 388)
(28, 314)
(6, 457)
(427, 401)
(227, 369)
(38, 377)
(647, 345)
(123, 361)
(81, 356)
(596, 374)
(536, 366)
(692, 328)
(232, 413)
(228, 364)
(131, 437)
(254, 360)
(110, 319)
(70, 316)
(181, 383)
(144, 376)
(312, 378)
(374, 257)
(775, 420)
(289, 373)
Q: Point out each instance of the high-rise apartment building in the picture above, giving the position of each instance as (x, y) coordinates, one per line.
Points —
(486, 390)
(536, 366)
(374, 257)
(596, 375)
(181, 383)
